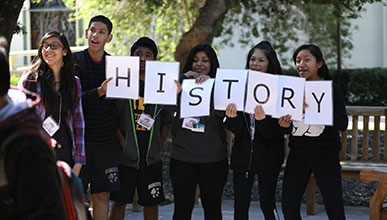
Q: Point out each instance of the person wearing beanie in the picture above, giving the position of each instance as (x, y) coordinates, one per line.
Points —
(140, 164)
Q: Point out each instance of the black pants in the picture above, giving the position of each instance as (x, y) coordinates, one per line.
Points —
(325, 165)
(267, 185)
(211, 178)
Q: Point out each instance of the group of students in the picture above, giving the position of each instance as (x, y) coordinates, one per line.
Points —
(114, 155)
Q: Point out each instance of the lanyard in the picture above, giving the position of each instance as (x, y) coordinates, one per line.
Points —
(252, 126)
(60, 110)
(135, 133)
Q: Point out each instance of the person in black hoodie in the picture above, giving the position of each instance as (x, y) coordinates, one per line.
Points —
(315, 148)
(29, 182)
(259, 144)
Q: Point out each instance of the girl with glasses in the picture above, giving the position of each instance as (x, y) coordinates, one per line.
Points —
(51, 75)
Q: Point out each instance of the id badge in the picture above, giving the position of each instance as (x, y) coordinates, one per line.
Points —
(193, 124)
(50, 126)
(198, 127)
(146, 121)
(188, 123)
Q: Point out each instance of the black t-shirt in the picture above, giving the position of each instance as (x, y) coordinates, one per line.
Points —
(62, 136)
(142, 133)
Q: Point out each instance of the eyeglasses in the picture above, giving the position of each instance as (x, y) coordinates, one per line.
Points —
(53, 45)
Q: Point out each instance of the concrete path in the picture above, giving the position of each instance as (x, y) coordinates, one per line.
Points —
(166, 212)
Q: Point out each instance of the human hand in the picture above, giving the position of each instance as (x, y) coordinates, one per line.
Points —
(77, 168)
(178, 85)
(103, 87)
(304, 105)
(285, 121)
(201, 79)
(54, 143)
(259, 113)
(191, 74)
(231, 110)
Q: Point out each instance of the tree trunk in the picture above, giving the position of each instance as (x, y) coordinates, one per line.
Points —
(9, 13)
(202, 29)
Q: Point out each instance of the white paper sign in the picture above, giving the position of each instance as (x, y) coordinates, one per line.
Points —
(290, 97)
(319, 97)
(261, 90)
(230, 88)
(195, 98)
(279, 95)
(125, 73)
(160, 87)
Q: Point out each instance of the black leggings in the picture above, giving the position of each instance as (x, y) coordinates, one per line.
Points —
(325, 165)
(267, 185)
(211, 178)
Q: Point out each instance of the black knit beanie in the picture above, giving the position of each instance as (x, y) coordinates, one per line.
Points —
(144, 42)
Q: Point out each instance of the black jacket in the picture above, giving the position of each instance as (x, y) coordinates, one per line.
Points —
(265, 154)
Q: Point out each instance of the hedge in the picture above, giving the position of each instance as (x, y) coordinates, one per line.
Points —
(363, 86)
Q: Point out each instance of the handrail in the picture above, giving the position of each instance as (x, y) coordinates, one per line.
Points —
(26, 53)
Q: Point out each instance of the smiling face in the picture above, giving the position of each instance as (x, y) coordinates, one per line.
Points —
(201, 63)
(97, 36)
(258, 61)
(53, 52)
(307, 66)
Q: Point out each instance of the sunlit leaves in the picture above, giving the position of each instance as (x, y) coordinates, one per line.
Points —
(285, 23)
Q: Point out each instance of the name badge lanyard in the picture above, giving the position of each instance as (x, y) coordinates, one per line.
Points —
(252, 126)
(50, 125)
(135, 132)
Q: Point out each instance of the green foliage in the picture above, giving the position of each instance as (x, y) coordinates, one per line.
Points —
(285, 23)
(162, 20)
(14, 79)
(365, 86)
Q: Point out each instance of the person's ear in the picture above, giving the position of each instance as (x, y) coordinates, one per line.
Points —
(109, 38)
(319, 64)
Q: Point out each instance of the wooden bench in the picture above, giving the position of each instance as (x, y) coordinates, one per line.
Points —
(376, 203)
(354, 163)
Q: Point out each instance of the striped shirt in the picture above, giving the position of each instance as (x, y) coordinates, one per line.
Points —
(100, 113)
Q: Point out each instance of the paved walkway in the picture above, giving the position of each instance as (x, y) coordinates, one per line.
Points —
(166, 212)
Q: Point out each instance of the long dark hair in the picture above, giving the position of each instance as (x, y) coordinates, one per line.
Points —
(4, 73)
(274, 64)
(211, 55)
(40, 72)
(323, 71)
